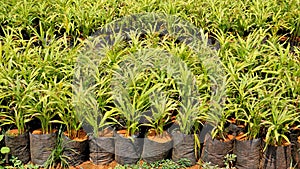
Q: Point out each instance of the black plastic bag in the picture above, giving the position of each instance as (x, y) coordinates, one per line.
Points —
(75, 151)
(277, 157)
(41, 146)
(155, 151)
(248, 153)
(128, 150)
(19, 146)
(296, 155)
(102, 150)
(295, 151)
(215, 150)
(183, 147)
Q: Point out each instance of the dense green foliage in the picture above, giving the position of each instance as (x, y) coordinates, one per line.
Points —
(40, 42)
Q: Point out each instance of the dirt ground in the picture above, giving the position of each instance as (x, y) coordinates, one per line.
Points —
(90, 165)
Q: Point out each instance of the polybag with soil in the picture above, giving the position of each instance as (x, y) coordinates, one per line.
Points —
(19, 146)
(75, 151)
(102, 149)
(248, 153)
(157, 148)
(41, 146)
(295, 150)
(215, 150)
(128, 150)
(276, 157)
(183, 147)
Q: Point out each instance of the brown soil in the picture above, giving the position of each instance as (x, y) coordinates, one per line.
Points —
(39, 131)
(295, 128)
(79, 135)
(228, 138)
(112, 165)
(1, 117)
(165, 137)
(173, 119)
(285, 143)
(13, 132)
(90, 165)
(241, 126)
(241, 137)
(195, 167)
(123, 133)
(284, 38)
(232, 121)
(106, 133)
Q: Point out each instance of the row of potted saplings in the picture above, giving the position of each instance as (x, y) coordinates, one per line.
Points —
(252, 153)
(101, 150)
(112, 145)
(128, 147)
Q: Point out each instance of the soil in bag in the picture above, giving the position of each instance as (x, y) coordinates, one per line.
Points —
(76, 149)
(18, 144)
(156, 147)
(248, 153)
(183, 147)
(102, 148)
(41, 146)
(215, 150)
(128, 149)
(276, 157)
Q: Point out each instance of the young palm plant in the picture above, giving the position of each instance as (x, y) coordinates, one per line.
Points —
(92, 101)
(281, 117)
(17, 97)
(158, 142)
(74, 139)
(188, 115)
(132, 87)
(218, 144)
(252, 117)
(132, 99)
(65, 110)
(161, 108)
(94, 108)
(249, 138)
(189, 104)
(47, 107)
(101, 119)
(43, 141)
